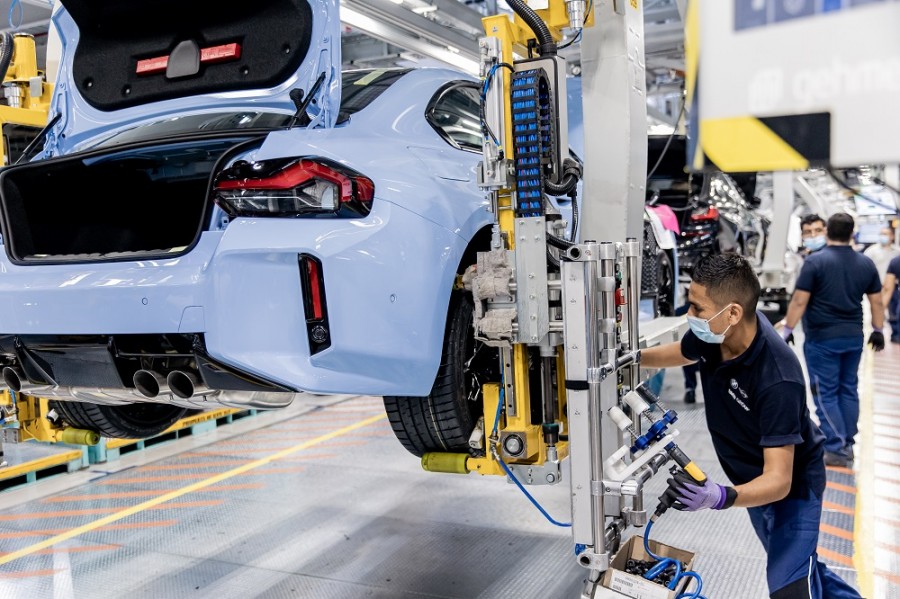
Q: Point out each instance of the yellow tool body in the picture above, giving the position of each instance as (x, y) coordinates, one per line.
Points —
(30, 413)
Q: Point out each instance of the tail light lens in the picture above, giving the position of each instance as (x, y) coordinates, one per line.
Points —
(711, 213)
(293, 188)
(312, 283)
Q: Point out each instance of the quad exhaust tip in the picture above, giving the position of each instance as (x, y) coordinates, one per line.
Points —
(12, 377)
(182, 384)
(150, 383)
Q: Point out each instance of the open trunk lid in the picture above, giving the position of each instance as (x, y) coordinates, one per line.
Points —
(124, 62)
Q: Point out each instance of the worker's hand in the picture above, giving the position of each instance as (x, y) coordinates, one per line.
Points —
(685, 494)
(787, 333)
(876, 340)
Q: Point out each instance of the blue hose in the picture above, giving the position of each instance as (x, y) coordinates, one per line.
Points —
(665, 562)
(509, 473)
(15, 24)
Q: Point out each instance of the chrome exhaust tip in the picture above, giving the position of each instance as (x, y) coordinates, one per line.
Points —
(13, 377)
(183, 384)
(149, 383)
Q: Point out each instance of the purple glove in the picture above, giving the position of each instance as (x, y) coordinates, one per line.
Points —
(685, 494)
(787, 333)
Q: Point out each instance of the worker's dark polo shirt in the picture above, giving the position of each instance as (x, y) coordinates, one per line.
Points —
(758, 400)
(836, 277)
(894, 268)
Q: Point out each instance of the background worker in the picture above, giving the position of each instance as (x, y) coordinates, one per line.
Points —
(812, 234)
(769, 447)
(828, 296)
(891, 297)
(883, 252)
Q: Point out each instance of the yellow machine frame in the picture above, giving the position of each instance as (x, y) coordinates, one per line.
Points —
(514, 35)
(23, 76)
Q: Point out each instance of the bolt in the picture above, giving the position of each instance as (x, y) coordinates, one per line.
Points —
(531, 296)
(533, 317)
(551, 478)
(531, 275)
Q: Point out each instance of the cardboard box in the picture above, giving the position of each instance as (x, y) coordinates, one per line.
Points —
(617, 583)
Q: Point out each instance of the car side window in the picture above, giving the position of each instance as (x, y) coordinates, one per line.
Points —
(455, 113)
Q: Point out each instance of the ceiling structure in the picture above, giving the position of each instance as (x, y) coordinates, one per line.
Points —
(379, 33)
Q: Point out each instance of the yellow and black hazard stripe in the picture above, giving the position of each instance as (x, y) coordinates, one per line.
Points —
(747, 143)
(775, 143)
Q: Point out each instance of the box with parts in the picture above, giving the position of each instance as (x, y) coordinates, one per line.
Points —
(619, 581)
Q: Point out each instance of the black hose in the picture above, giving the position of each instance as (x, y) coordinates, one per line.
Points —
(7, 45)
(552, 259)
(541, 31)
(573, 195)
(559, 242)
(569, 180)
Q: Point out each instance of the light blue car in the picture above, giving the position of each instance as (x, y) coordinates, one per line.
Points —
(217, 217)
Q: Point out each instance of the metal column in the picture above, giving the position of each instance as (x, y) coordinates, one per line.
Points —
(773, 274)
(615, 122)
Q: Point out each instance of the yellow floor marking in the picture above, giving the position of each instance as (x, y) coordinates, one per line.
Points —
(32, 549)
(863, 541)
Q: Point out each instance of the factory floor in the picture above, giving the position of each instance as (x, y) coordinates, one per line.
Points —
(320, 501)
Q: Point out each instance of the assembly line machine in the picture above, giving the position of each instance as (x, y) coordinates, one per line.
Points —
(562, 313)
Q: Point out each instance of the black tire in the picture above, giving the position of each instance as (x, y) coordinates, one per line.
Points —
(134, 421)
(649, 264)
(668, 283)
(444, 420)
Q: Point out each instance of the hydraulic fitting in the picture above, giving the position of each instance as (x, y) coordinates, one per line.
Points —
(575, 9)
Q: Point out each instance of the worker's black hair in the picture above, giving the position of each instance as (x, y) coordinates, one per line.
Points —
(810, 219)
(729, 278)
(839, 227)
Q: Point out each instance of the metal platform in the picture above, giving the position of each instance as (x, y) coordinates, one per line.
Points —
(319, 500)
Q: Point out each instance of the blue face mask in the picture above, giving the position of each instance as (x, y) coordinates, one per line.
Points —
(884, 240)
(814, 244)
(701, 328)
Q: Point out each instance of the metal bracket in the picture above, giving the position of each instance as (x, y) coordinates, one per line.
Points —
(593, 561)
(548, 473)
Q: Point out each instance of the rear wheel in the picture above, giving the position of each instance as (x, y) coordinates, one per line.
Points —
(134, 421)
(443, 420)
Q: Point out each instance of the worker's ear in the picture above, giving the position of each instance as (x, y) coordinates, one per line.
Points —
(735, 313)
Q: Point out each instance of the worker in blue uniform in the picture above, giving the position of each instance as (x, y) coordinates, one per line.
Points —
(828, 297)
(767, 444)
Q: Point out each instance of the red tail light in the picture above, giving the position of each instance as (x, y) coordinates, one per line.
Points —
(712, 213)
(293, 187)
(315, 307)
(315, 311)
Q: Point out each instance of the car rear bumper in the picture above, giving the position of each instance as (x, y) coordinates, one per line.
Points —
(387, 281)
